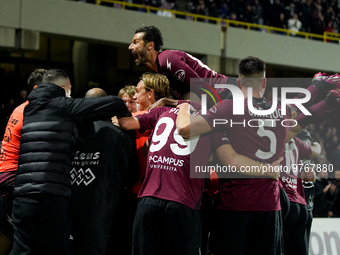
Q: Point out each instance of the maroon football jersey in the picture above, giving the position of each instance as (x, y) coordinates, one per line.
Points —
(170, 158)
(261, 138)
(179, 67)
(290, 177)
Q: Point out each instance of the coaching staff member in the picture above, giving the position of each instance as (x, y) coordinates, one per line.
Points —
(41, 210)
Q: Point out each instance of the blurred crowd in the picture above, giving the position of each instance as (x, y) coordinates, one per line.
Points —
(313, 16)
(327, 184)
(12, 95)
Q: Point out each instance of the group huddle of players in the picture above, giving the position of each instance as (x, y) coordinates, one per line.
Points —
(254, 215)
(247, 212)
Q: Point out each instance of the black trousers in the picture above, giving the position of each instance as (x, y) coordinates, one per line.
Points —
(165, 227)
(120, 233)
(294, 230)
(41, 225)
(285, 203)
(6, 227)
(308, 227)
(248, 233)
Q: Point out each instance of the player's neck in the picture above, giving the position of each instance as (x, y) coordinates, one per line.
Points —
(257, 93)
(152, 63)
(146, 107)
(257, 96)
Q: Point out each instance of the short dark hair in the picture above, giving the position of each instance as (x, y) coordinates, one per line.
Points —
(152, 34)
(35, 78)
(55, 76)
(251, 66)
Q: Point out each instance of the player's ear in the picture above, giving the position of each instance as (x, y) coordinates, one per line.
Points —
(151, 94)
(264, 82)
(239, 83)
(150, 45)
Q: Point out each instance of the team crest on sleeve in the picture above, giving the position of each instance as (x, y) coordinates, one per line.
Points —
(213, 109)
(180, 75)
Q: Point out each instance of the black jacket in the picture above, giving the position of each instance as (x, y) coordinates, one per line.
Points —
(321, 200)
(98, 166)
(48, 134)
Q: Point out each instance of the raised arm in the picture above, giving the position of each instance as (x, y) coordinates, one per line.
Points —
(228, 156)
(99, 107)
(318, 110)
(189, 126)
(293, 132)
(128, 123)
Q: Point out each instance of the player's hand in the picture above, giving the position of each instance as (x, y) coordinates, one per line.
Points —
(115, 121)
(323, 76)
(184, 106)
(274, 170)
(333, 98)
(316, 144)
(319, 76)
(326, 81)
(158, 103)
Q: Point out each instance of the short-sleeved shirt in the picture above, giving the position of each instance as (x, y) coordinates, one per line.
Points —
(290, 178)
(179, 67)
(10, 146)
(261, 138)
(141, 138)
(170, 158)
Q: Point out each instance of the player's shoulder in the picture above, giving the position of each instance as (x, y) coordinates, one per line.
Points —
(157, 111)
(226, 104)
(134, 114)
(19, 109)
(18, 112)
(160, 110)
(221, 107)
(170, 55)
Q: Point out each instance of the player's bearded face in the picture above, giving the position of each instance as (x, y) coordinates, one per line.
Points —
(138, 49)
(141, 55)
